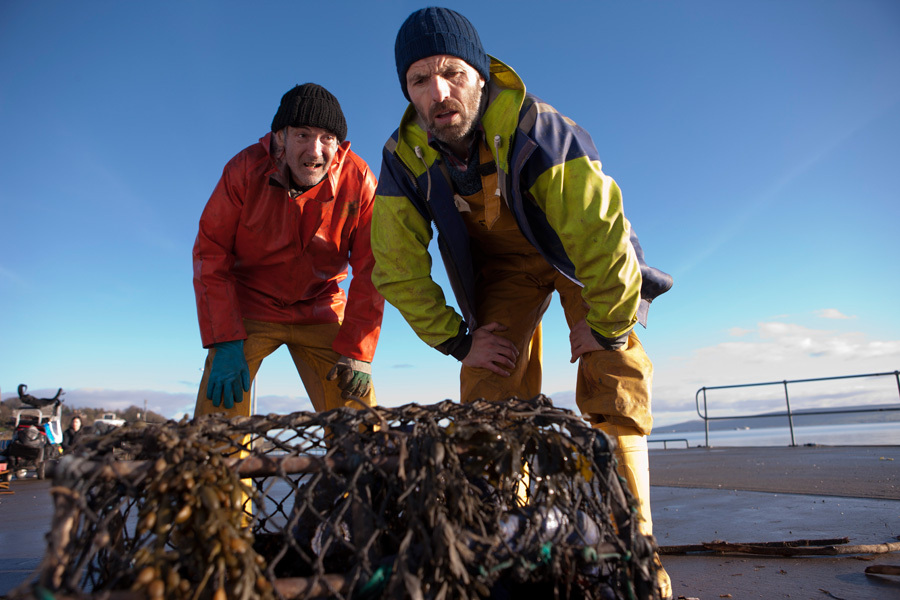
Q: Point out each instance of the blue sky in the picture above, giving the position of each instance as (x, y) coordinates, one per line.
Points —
(756, 144)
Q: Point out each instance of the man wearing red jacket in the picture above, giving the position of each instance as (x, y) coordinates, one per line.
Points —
(288, 216)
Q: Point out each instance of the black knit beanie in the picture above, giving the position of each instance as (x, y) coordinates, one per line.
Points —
(431, 31)
(311, 105)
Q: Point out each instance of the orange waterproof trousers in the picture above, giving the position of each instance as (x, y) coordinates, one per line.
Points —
(515, 290)
(310, 348)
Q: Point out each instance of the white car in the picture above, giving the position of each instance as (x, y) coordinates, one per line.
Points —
(107, 422)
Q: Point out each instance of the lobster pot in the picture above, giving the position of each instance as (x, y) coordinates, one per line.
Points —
(483, 500)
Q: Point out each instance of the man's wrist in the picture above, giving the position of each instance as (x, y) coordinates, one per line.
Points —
(458, 346)
(229, 344)
(355, 364)
(616, 343)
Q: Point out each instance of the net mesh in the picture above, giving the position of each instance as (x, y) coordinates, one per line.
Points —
(482, 500)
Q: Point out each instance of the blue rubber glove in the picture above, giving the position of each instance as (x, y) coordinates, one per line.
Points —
(228, 375)
(354, 376)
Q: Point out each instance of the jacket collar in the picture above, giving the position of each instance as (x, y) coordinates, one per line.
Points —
(506, 93)
(278, 175)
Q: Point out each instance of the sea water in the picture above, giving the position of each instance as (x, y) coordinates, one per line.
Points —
(864, 434)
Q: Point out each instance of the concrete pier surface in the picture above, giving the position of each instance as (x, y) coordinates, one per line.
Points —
(776, 494)
(749, 495)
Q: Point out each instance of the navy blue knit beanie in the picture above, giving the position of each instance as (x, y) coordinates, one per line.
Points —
(311, 105)
(431, 31)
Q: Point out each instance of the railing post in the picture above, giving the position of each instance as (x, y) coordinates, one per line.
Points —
(705, 419)
(790, 416)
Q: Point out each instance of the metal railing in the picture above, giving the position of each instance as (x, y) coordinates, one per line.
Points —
(787, 400)
(668, 441)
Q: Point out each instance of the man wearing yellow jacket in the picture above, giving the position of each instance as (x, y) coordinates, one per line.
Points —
(522, 208)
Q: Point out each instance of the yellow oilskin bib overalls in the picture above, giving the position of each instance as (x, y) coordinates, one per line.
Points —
(514, 284)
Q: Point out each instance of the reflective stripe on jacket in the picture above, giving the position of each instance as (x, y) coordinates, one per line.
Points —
(551, 179)
(265, 256)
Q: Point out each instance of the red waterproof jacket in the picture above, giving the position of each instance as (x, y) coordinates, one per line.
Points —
(265, 256)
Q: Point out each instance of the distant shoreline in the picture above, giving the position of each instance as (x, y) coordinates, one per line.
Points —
(840, 434)
(890, 413)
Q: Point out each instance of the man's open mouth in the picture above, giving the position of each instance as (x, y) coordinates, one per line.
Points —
(445, 117)
(445, 111)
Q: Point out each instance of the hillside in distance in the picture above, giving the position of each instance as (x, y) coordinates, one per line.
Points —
(886, 413)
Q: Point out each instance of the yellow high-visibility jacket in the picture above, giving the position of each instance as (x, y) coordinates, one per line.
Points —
(551, 179)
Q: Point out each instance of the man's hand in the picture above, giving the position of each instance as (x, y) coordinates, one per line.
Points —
(490, 351)
(354, 377)
(583, 339)
(229, 376)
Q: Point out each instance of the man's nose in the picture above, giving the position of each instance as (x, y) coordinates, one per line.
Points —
(440, 89)
(316, 146)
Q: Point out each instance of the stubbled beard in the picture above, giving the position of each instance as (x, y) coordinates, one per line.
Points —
(468, 109)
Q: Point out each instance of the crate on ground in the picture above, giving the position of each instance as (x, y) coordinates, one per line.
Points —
(442, 501)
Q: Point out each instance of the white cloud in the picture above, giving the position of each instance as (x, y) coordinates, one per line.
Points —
(565, 399)
(775, 352)
(169, 405)
(772, 351)
(739, 331)
(282, 404)
(831, 313)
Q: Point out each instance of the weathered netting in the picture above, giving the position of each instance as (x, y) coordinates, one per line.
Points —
(440, 501)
